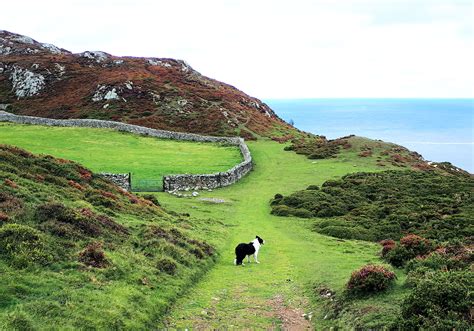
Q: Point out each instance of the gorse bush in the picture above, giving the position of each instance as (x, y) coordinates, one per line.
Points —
(389, 204)
(398, 256)
(440, 301)
(22, 246)
(318, 147)
(167, 265)
(434, 261)
(370, 279)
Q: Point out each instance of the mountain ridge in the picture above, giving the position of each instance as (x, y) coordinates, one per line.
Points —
(44, 80)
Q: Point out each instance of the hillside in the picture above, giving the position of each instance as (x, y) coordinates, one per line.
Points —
(44, 80)
(387, 205)
(79, 252)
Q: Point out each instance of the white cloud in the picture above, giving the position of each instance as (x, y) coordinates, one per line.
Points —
(302, 48)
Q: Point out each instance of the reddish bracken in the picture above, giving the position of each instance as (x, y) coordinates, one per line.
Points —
(63, 161)
(137, 200)
(76, 185)
(413, 241)
(4, 217)
(39, 178)
(387, 242)
(10, 183)
(387, 246)
(423, 166)
(94, 256)
(416, 244)
(283, 139)
(85, 174)
(365, 153)
(386, 249)
(87, 213)
(108, 195)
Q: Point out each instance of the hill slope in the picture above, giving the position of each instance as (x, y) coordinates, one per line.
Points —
(43, 80)
(79, 252)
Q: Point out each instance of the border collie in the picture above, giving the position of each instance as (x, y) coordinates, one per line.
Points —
(243, 250)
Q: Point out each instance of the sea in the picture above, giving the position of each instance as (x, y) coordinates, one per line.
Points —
(439, 129)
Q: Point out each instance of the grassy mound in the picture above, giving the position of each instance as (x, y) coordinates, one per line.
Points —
(79, 252)
(376, 206)
(382, 153)
(111, 151)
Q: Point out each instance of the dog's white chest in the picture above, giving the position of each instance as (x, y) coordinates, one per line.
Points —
(256, 245)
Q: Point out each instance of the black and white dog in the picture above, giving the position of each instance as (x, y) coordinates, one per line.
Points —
(243, 250)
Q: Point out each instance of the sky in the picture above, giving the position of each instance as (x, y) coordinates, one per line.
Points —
(276, 49)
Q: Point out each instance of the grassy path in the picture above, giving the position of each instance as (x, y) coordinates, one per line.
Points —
(276, 292)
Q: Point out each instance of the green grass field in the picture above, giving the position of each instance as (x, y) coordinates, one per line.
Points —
(295, 261)
(111, 151)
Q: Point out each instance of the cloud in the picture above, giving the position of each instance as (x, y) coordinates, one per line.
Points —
(270, 49)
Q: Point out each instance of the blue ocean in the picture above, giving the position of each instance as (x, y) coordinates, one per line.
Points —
(439, 129)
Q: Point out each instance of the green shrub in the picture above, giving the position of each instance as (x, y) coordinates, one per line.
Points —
(331, 210)
(313, 188)
(167, 266)
(336, 231)
(398, 256)
(436, 261)
(152, 198)
(393, 203)
(22, 245)
(97, 198)
(433, 261)
(276, 199)
(281, 210)
(441, 301)
(370, 279)
(65, 222)
(416, 275)
(347, 232)
(300, 212)
(53, 211)
(94, 256)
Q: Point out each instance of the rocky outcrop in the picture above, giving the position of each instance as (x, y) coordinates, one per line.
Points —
(122, 180)
(26, 83)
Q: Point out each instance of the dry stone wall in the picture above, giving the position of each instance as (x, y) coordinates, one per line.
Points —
(122, 180)
(171, 182)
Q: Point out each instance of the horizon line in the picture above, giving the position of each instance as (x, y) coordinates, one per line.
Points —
(370, 98)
